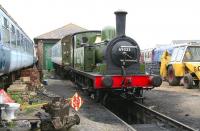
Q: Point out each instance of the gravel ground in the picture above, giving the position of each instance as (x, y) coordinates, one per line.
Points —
(177, 102)
(94, 117)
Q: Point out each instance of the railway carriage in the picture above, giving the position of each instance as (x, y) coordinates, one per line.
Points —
(102, 65)
(16, 48)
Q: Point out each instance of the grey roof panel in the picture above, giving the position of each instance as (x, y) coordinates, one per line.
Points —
(61, 32)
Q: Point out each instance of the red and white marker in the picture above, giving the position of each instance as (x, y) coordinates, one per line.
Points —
(76, 101)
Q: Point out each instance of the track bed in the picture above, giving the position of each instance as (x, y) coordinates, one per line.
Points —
(176, 102)
(93, 116)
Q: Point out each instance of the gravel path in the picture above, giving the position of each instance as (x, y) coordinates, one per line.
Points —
(177, 102)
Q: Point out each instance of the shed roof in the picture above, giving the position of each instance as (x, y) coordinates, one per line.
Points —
(184, 41)
(61, 32)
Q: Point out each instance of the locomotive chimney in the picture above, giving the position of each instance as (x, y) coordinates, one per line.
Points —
(120, 22)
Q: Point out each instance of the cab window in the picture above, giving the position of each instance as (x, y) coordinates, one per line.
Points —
(174, 54)
(86, 38)
(192, 54)
(180, 54)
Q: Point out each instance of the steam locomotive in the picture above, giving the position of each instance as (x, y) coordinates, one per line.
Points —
(102, 66)
(16, 48)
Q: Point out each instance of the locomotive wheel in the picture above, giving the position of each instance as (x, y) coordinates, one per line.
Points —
(188, 81)
(172, 79)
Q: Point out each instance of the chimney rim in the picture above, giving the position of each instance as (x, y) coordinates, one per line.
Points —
(121, 12)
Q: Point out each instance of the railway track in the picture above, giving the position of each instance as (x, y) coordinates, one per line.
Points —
(99, 113)
(152, 116)
(143, 118)
(138, 117)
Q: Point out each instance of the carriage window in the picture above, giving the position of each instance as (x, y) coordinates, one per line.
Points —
(28, 47)
(0, 30)
(13, 37)
(29, 51)
(25, 45)
(5, 33)
(0, 35)
(31, 48)
(13, 29)
(22, 43)
(5, 22)
(18, 39)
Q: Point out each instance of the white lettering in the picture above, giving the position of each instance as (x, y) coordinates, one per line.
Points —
(124, 49)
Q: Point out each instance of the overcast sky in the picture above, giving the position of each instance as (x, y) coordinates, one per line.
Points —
(149, 22)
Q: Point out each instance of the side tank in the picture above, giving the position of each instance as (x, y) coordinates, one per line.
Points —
(107, 34)
(99, 52)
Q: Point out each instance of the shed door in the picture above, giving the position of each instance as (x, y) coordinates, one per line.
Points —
(47, 64)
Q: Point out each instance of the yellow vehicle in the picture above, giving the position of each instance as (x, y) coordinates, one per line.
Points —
(183, 66)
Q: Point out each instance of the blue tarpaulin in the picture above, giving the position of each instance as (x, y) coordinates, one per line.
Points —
(157, 52)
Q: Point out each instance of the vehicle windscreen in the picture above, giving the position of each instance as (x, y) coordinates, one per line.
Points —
(192, 54)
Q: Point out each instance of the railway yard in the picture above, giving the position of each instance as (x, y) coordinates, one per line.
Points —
(76, 79)
(157, 114)
(166, 100)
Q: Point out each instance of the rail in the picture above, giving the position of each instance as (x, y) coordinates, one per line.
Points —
(168, 122)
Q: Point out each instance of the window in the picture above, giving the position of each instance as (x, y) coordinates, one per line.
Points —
(25, 45)
(192, 54)
(18, 39)
(29, 48)
(85, 38)
(5, 33)
(13, 29)
(22, 43)
(174, 54)
(0, 35)
(177, 54)
(6, 25)
(180, 54)
(13, 37)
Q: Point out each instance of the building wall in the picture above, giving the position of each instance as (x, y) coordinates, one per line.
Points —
(40, 54)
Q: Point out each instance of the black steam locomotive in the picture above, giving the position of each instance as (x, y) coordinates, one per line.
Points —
(102, 65)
